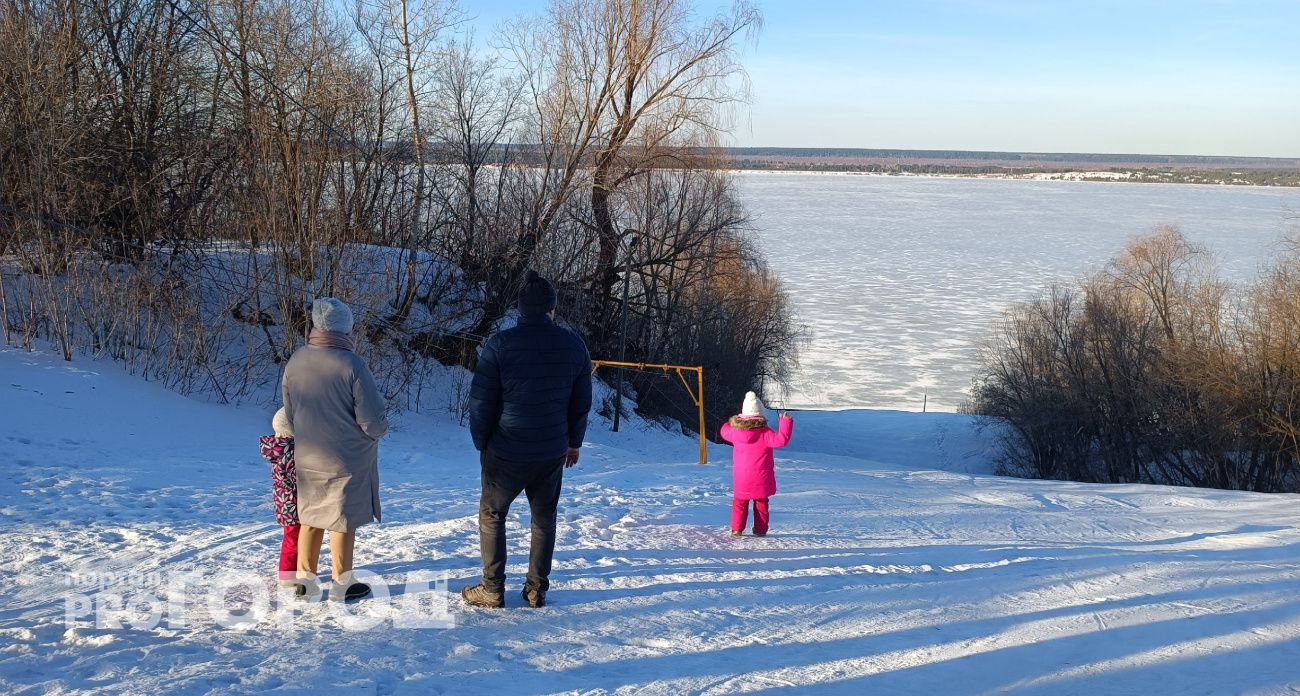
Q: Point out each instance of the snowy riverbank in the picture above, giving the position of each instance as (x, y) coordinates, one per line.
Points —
(890, 568)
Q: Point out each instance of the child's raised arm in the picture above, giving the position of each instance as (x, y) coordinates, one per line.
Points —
(785, 428)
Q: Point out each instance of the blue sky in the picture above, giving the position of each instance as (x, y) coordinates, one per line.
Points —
(1207, 77)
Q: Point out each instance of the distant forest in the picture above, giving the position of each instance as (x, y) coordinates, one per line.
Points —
(1258, 171)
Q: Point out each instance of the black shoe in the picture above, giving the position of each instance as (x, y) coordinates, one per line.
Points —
(308, 591)
(535, 598)
(355, 591)
(479, 596)
(351, 593)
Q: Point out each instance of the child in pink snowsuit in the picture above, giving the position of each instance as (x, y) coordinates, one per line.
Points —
(277, 450)
(753, 472)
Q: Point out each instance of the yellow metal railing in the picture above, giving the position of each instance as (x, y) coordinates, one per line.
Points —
(697, 394)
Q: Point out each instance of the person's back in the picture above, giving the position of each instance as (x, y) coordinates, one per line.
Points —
(337, 415)
(532, 392)
(527, 415)
(336, 381)
(277, 450)
(753, 467)
(752, 460)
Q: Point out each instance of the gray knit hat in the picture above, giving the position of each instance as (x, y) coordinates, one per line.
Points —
(331, 314)
(538, 296)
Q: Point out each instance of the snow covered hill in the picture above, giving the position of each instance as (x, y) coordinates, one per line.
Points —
(892, 567)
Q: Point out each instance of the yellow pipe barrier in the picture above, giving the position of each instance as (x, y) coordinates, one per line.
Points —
(696, 394)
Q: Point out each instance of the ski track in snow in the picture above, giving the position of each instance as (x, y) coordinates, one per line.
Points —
(880, 576)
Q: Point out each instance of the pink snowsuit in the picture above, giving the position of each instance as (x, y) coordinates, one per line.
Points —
(753, 470)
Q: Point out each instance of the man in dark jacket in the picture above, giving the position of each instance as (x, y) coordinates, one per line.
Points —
(528, 408)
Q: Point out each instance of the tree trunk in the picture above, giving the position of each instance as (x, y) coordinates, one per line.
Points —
(605, 275)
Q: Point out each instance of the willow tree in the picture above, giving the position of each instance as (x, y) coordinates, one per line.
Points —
(617, 89)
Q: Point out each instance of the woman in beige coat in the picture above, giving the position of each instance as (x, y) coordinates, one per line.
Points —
(338, 417)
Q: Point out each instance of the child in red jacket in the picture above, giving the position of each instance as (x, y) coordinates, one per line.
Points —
(753, 471)
(277, 450)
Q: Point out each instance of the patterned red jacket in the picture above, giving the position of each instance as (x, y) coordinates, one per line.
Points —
(278, 451)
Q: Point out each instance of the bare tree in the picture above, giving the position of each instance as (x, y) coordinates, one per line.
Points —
(404, 37)
(216, 163)
(619, 87)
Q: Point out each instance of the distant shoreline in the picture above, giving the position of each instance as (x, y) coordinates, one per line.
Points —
(1102, 177)
(1173, 169)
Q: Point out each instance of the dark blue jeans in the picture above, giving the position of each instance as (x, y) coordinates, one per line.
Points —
(503, 481)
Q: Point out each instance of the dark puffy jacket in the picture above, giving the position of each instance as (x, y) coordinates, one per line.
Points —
(531, 392)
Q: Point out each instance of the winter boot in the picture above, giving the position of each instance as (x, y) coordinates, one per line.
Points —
(307, 588)
(479, 596)
(535, 598)
(349, 593)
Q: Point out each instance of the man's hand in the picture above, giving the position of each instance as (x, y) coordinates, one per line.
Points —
(571, 457)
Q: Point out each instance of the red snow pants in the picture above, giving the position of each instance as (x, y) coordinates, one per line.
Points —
(289, 551)
(740, 512)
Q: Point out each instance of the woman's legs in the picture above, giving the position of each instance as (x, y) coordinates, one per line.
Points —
(309, 541)
(341, 547)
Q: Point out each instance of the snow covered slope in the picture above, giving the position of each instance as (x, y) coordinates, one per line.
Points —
(888, 571)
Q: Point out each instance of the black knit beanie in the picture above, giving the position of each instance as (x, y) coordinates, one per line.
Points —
(538, 296)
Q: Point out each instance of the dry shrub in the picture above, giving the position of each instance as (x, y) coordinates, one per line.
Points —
(1149, 371)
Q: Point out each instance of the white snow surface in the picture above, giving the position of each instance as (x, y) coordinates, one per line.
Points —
(899, 280)
(893, 566)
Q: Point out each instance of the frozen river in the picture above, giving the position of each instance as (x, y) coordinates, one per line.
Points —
(899, 279)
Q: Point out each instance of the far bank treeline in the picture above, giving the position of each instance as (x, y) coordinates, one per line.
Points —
(179, 177)
(1184, 169)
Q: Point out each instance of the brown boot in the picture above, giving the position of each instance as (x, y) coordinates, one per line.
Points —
(479, 596)
(535, 598)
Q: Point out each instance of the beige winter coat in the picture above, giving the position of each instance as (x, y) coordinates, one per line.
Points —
(338, 417)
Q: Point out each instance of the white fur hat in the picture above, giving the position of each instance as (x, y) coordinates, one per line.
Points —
(281, 425)
(331, 314)
(752, 407)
